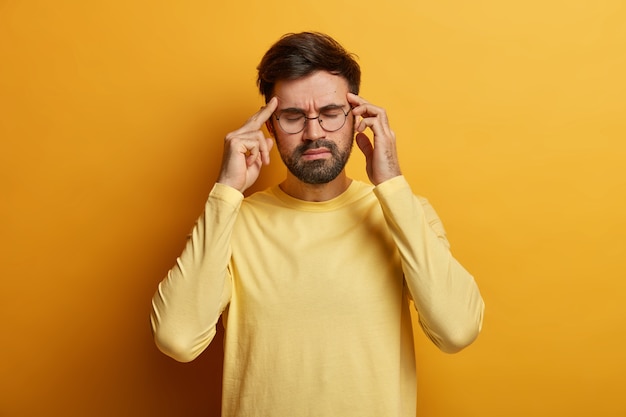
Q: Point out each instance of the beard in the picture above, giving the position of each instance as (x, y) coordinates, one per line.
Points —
(318, 171)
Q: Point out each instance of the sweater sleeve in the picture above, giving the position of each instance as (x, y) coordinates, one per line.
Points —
(191, 298)
(447, 299)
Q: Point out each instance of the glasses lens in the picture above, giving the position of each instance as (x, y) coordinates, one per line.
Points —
(291, 122)
(332, 119)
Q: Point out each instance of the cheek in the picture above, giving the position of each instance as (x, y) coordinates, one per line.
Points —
(348, 136)
(286, 144)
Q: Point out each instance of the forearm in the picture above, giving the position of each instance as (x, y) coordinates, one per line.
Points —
(189, 301)
(446, 296)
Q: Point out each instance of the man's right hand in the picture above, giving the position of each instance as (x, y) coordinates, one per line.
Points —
(246, 150)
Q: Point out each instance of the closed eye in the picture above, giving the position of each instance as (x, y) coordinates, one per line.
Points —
(332, 113)
(291, 115)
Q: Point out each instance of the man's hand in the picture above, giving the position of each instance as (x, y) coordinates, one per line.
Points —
(381, 155)
(246, 150)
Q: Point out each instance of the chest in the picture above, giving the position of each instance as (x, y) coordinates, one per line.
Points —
(294, 267)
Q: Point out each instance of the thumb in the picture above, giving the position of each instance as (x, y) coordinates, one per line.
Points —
(270, 143)
(365, 145)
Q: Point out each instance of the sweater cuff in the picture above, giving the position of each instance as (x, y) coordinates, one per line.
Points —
(391, 186)
(226, 194)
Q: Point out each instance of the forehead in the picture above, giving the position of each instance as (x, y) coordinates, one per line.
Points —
(313, 91)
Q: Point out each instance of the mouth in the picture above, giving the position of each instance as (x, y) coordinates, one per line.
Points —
(317, 153)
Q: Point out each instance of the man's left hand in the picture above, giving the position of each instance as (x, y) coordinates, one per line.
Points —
(381, 155)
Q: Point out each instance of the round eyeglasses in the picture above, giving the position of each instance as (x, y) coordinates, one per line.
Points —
(294, 121)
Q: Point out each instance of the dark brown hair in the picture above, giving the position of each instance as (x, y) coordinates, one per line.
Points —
(296, 55)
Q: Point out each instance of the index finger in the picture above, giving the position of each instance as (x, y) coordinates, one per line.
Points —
(356, 99)
(256, 121)
(360, 106)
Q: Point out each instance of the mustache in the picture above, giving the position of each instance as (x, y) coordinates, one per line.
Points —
(315, 144)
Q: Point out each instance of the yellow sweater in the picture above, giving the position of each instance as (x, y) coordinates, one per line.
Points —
(315, 298)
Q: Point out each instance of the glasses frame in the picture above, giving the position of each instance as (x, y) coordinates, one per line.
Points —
(306, 119)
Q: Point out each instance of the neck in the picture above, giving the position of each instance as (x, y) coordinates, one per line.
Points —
(315, 192)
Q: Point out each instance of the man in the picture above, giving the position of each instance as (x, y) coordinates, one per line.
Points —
(314, 276)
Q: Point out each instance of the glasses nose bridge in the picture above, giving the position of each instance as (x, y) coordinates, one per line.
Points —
(319, 121)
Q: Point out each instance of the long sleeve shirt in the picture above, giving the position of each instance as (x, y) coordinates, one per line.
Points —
(315, 299)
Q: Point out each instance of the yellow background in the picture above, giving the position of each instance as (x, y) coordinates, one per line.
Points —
(510, 117)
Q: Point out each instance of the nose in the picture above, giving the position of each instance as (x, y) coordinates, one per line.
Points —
(313, 129)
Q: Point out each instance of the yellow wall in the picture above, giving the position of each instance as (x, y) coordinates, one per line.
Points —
(510, 116)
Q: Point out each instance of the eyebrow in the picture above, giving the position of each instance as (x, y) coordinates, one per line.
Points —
(320, 110)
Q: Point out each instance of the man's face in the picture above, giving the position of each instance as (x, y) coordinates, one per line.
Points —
(314, 155)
